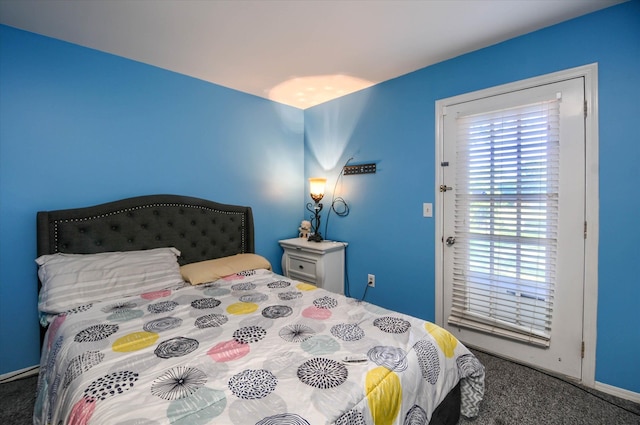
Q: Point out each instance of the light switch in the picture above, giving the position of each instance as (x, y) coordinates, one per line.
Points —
(427, 209)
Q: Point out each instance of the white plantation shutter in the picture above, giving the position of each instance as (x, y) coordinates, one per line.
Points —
(506, 218)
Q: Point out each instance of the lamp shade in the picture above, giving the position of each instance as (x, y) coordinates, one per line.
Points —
(316, 188)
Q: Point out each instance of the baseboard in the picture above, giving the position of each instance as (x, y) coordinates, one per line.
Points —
(19, 374)
(618, 392)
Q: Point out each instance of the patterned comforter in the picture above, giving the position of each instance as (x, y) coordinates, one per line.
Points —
(251, 348)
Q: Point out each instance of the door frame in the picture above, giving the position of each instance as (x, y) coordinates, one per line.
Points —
(590, 299)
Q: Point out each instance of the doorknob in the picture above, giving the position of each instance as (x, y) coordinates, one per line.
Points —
(451, 240)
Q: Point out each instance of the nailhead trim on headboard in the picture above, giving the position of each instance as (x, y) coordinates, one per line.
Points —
(200, 229)
(100, 216)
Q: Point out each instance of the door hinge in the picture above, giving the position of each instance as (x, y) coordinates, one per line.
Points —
(585, 109)
(585, 230)
(444, 188)
(582, 350)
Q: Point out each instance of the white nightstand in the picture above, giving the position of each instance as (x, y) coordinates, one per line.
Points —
(319, 263)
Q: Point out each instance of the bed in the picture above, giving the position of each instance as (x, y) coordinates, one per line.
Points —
(157, 310)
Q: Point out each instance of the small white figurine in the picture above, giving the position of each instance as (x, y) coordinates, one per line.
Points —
(305, 228)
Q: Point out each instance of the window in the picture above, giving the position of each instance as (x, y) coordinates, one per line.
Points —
(506, 210)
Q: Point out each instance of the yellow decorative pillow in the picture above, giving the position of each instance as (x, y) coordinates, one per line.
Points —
(210, 270)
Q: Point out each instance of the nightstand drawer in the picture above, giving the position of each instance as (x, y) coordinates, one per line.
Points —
(318, 263)
(302, 266)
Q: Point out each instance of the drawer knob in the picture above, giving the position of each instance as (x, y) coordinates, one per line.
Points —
(301, 267)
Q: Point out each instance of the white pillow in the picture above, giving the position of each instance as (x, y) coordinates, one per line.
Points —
(71, 280)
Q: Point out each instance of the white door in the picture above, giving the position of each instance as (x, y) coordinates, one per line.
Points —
(513, 196)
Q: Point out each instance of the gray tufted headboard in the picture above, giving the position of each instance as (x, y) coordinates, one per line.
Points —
(199, 228)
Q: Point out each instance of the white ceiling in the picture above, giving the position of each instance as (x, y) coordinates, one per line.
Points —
(295, 52)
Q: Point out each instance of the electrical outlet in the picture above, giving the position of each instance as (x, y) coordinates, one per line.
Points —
(371, 280)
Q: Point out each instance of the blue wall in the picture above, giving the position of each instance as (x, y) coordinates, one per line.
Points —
(80, 127)
(393, 124)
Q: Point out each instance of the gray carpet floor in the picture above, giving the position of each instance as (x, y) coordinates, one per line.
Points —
(515, 395)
